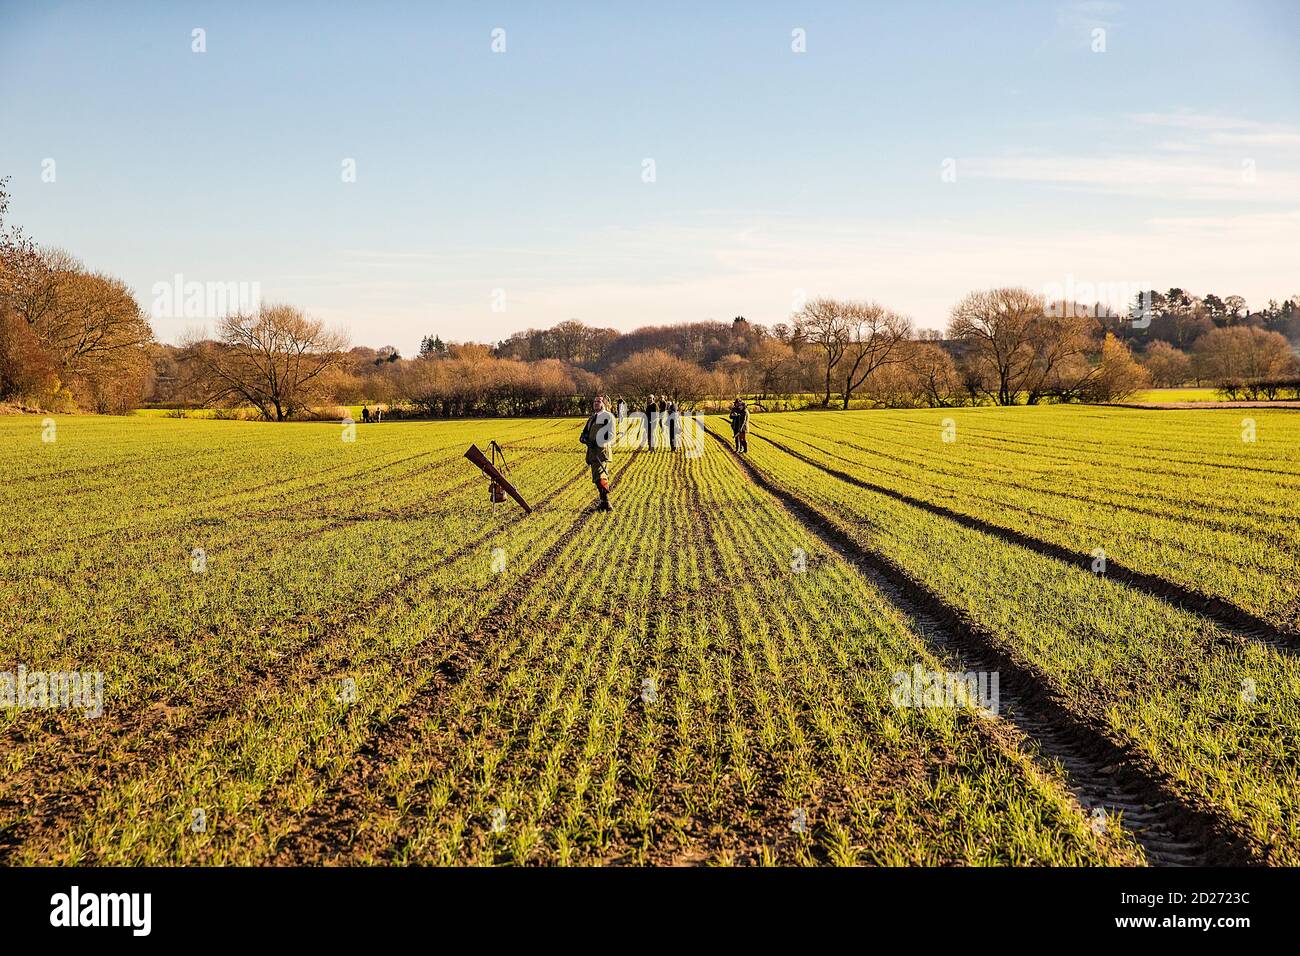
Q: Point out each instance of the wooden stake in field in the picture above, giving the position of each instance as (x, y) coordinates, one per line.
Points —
(499, 482)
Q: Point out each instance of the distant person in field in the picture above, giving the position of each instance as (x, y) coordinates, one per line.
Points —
(670, 416)
(365, 413)
(598, 436)
(740, 425)
(651, 421)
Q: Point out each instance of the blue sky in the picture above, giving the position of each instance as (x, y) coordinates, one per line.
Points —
(496, 191)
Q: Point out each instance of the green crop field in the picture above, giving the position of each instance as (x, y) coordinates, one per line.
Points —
(317, 649)
(1158, 395)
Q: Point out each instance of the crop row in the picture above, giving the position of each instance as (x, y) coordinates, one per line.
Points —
(1232, 534)
(1211, 711)
(359, 674)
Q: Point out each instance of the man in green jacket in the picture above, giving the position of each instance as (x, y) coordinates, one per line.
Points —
(598, 436)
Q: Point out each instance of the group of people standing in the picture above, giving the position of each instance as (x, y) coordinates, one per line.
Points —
(602, 428)
(662, 416)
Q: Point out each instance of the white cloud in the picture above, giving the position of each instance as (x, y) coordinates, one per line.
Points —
(1222, 130)
(1192, 215)
(755, 267)
(1168, 178)
(1215, 158)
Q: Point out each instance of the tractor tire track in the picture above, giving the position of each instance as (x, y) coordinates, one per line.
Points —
(489, 629)
(1090, 450)
(166, 517)
(1150, 505)
(1223, 613)
(828, 799)
(179, 520)
(332, 622)
(1101, 772)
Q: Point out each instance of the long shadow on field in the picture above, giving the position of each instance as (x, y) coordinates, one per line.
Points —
(1101, 772)
(1223, 613)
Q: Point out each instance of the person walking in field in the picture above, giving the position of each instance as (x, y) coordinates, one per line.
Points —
(598, 436)
(740, 425)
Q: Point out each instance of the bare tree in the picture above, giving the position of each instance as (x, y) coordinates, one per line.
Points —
(1000, 324)
(1022, 347)
(16, 248)
(774, 366)
(1242, 355)
(1059, 364)
(873, 336)
(823, 324)
(1169, 367)
(936, 373)
(274, 360)
(1235, 309)
(735, 372)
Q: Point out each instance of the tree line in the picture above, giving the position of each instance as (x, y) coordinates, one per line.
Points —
(74, 338)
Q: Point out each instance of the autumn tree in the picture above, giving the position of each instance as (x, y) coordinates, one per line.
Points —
(1118, 375)
(66, 331)
(659, 373)
(98, 336)
(88, 327)
(1169, 367)
(26, 371)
